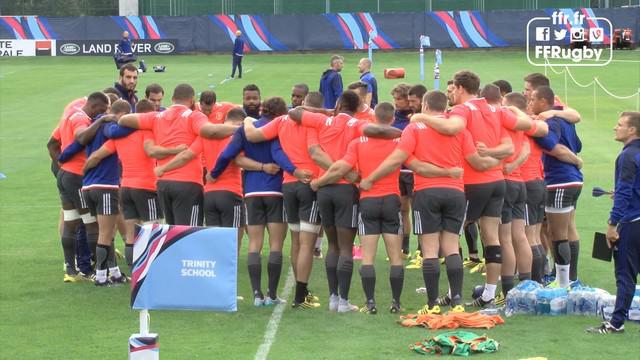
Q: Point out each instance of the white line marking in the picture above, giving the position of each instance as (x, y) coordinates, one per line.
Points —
(274, 321)
(225, 80)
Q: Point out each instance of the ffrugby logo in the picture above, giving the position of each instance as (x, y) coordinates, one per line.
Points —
(569, 40)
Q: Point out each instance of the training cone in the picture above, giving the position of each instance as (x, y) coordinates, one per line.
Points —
(394, 73)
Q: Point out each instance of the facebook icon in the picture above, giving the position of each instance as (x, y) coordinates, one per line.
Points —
(542, 34)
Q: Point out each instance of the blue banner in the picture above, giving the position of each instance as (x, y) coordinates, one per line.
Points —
(342, 31)
(185, 268)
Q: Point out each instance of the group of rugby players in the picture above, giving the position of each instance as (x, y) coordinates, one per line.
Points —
(471, 158)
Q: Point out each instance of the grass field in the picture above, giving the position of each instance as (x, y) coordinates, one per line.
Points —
(44, 318)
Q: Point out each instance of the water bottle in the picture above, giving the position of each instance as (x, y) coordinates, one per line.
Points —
(530, 301)
(558, 306)
(543, 306)
(571, 303)
(635, 303)
(490, 311)
(607, 311)
(512, 301)
(590, 306)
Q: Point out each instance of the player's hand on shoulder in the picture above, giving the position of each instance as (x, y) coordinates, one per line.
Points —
(210, 180)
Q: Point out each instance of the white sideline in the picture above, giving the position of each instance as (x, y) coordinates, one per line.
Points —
(274, 320)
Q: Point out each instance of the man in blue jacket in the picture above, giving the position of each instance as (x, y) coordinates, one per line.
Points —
(331, 82)
(237, 54)
(624, 221)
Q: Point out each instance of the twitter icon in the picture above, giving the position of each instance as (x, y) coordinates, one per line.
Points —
(560, 34)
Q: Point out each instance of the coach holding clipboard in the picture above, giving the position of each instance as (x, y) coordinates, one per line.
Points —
(624, 221)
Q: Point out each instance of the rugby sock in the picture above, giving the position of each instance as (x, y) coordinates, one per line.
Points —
(563, 259)
(102, 253)
(489, 292)
(575, 252)
(111, 259)
(537, 264)
(471, 236)
(396, 279)
(331, 265)
(368, 277)
(128, 254)
(68, 241)
(83, 253)
(431, 277)
(92, 241)
(274, 268)
(345, 271)
(115, 272)
(524, 276)
(255, 273)
(301, 292)
(405, 244)
(455, 274)
(507, 284)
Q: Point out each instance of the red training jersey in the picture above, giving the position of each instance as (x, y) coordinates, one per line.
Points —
(366, 154)
(418, 141)
(210, 149)
(334, 133)
(74, 122)
(137, 167)
(173, 127)
(295, 141)
(485, 125)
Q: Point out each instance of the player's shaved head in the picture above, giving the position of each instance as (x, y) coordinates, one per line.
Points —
(120, 107)
(98, 97)
(183, 92)
(491, 93)
(516, 99)
(145, 106)
(349, 102)
(384, 113)
(314, 99)
(235, 115)
(435, 100)
(467, 80)
(273, 107)
(97, 103)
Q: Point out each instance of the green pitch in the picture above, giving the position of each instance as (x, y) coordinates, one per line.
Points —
(44, 318)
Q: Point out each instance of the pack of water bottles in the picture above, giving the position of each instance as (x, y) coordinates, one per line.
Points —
(530, 297)
(607, 305)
